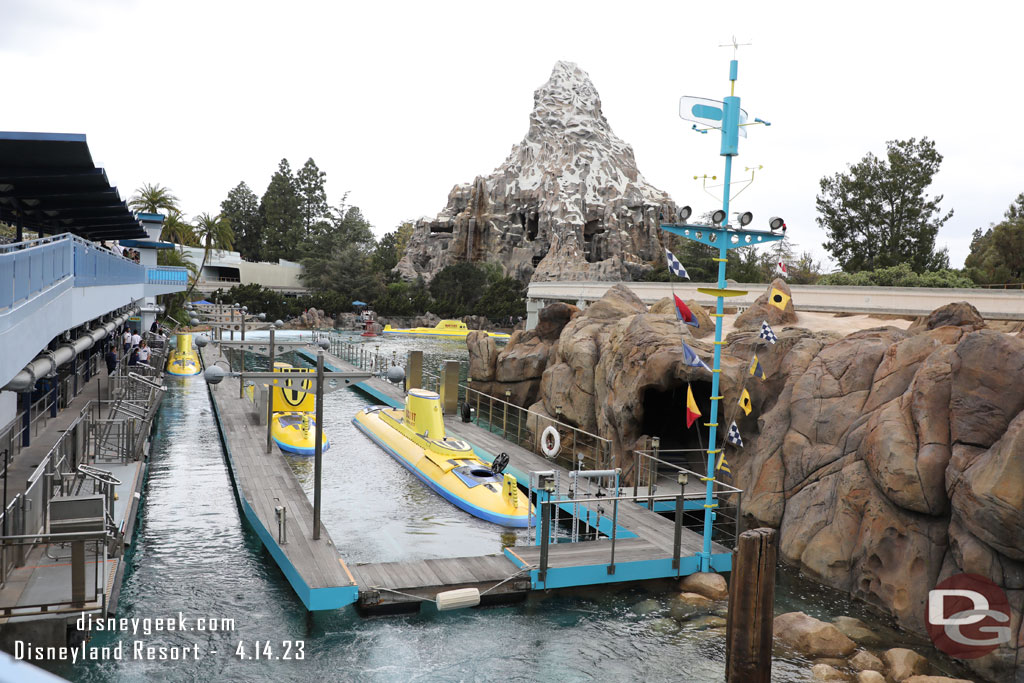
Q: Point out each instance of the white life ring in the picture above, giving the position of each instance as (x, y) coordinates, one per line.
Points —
(550, 434)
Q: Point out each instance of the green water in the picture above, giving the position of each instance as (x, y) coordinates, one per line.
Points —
(195, 555)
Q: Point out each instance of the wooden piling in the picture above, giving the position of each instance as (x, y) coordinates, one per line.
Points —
(449, 388)
(748, 640)
(414, 370)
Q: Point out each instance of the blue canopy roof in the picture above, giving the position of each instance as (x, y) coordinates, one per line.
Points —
(360, 303)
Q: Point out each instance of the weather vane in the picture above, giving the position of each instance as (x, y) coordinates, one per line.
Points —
(735, 46)
(728, 117)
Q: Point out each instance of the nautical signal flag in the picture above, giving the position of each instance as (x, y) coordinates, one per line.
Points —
(782, 268)
(767, 333)
(674, 265)
(745, 402)
(733, 436)
(756, 370)
(692, 359)
(778, 298)
(692, 411)
(684, 313)
(723, 465)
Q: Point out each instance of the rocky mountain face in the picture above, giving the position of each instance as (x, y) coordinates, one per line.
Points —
(567, 203)
(888, 459)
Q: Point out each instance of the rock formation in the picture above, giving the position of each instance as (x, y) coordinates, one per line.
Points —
(889, 459)
(568, 202)
(518, 367)
(764, 310)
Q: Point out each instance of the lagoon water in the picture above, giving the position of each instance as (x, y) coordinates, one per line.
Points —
(196, 556)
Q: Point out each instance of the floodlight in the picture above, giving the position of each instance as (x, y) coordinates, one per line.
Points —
(214, 374)
(717, 217)
(684, 213)
(745, 218)
(776, 223)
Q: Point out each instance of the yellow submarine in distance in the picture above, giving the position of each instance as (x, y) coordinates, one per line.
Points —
(454, 329)
(183, 360)
(415, 437)
(293, 426)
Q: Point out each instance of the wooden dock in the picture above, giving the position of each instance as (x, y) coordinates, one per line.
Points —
(264, 482)
(644, 548)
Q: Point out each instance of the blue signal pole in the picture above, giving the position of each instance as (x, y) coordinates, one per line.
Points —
(724, 238)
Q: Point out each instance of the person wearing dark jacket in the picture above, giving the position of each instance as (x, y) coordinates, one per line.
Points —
(111, 357)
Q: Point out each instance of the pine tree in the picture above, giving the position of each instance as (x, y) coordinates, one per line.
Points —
(311, 186)
(281, 211)
(241, 209)
(878, 214)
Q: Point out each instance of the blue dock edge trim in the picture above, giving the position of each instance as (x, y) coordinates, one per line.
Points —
(314, 599)
(571, 577)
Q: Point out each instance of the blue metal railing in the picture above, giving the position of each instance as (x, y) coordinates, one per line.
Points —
(29, 268)
(167, 275)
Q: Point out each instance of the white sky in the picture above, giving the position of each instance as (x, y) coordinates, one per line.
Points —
(398, 102)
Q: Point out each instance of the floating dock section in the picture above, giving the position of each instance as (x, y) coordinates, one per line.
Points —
(277, 508)
(646, 544)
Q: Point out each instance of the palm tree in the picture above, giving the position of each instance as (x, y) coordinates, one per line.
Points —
(213, 232)
(151, 198)
(177, 229)
(174, 303)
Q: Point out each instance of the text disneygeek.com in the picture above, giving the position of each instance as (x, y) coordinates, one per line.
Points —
(140, 649)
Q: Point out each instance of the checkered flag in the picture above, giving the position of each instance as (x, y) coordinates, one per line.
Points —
(767, 333)
(734, 435)
(674, 265)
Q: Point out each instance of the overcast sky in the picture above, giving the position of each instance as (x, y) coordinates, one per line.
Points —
(398, 102)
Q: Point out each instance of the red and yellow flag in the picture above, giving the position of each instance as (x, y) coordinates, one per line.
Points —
(692, 411)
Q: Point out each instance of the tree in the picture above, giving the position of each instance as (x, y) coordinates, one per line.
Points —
(878, 214)
(241, 210)
(457, 288)
(343, 258)
(391, 248)
(997, 255)
(504, 297)
(281, 214)
(153, 198)
(174, 303)
(310, 184)
(213, 232)
(178, 230)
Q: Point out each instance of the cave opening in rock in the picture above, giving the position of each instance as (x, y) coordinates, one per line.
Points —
(592, 251)
(442, 228)
(532, 226)
(665, 417)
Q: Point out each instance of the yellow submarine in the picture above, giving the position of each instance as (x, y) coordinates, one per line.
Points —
(293, 426)
(183, 360)
(415, 437)
(455, 329)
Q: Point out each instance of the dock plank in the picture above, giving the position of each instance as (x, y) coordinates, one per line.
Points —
(265, 481)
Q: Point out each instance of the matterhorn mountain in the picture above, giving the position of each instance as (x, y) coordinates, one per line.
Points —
(567, 204)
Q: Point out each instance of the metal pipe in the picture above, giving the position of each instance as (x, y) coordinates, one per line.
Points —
(49, 362)
(318, 443)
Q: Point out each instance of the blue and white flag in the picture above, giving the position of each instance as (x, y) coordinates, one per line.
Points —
(767, 333)
(691, 358)
(734, 435)
(674, 265)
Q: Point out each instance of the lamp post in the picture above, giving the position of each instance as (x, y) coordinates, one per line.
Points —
(728, 117)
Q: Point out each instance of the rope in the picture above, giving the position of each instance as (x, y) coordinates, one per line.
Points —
(525, 569)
